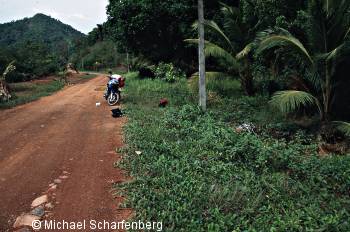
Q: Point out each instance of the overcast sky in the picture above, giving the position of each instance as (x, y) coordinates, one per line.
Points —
(83, 15)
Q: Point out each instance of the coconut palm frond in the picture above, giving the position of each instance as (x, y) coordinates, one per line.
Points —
(214, 26)
(217, 51)
(233, 25)
(214, 50)
(291, 100)
(245, 52)
(314, 80)
(233, 12)
(214, 75)
(347, 34)
(262, 35)
(343, 127)
(339, 52)
(273, 41)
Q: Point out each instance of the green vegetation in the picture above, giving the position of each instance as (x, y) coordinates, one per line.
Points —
(39, 46)
(271, 153)
(96, 56)
(235, 55)
(321, 83)
(156, 29)
(196, 173)
(168, 72)
(245, 164)
(25, 92)
(5, 94)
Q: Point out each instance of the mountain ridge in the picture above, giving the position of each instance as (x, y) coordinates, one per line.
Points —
(39, 28)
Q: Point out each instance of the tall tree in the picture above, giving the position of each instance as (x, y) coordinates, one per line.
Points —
(136, 27)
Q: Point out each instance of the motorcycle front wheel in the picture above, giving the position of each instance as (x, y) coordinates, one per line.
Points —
(113, 99)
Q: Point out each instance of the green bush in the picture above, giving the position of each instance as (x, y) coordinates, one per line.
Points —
(168, 72)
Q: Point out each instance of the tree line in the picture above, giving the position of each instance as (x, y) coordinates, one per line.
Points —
(295, 51)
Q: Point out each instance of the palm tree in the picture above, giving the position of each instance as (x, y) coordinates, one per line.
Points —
(329, 43)
(234, 50)
(4, 90)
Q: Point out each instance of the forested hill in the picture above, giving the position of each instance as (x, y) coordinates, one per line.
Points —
(40, 28)
(39, 46)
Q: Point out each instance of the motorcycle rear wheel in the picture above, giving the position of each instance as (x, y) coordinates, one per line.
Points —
(113, 99)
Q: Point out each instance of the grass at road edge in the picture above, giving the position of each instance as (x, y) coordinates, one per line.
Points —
(196, 173)
(26, 92)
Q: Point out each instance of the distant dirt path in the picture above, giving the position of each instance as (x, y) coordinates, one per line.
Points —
(61, 135)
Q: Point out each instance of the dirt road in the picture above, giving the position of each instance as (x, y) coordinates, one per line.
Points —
(65, 139)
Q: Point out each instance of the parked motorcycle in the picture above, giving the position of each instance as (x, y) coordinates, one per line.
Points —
(113, 90)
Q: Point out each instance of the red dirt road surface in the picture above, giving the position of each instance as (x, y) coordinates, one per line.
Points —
(64, 138)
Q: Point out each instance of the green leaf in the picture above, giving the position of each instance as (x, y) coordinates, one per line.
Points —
(216, 51)
(273, 41)
(343, 127)
(246, 50)
(291, 100)
(339, 52)
(347, 33)
(213, 25)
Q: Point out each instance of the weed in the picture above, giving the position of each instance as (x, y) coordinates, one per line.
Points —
(196, 173)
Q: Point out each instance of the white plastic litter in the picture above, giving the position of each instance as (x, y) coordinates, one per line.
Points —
(247, 127)
(98, 104)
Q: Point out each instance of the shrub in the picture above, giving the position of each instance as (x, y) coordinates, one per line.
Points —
(146, 72)
(168, 72)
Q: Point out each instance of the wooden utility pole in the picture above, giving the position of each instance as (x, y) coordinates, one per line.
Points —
(201, 57)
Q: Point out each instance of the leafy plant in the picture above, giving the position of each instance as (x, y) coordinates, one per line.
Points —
(168, 72)
(196, 173)
(4, 90)
(343, 127)
(235, 53)
(329, 39)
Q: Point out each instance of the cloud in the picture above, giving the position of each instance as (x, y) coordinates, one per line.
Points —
(80, 14)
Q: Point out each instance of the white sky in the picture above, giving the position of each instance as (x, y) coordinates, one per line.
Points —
(83, 15)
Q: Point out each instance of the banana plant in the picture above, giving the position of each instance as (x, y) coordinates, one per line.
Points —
(4, 90)
(329, 44)
(234, 50)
